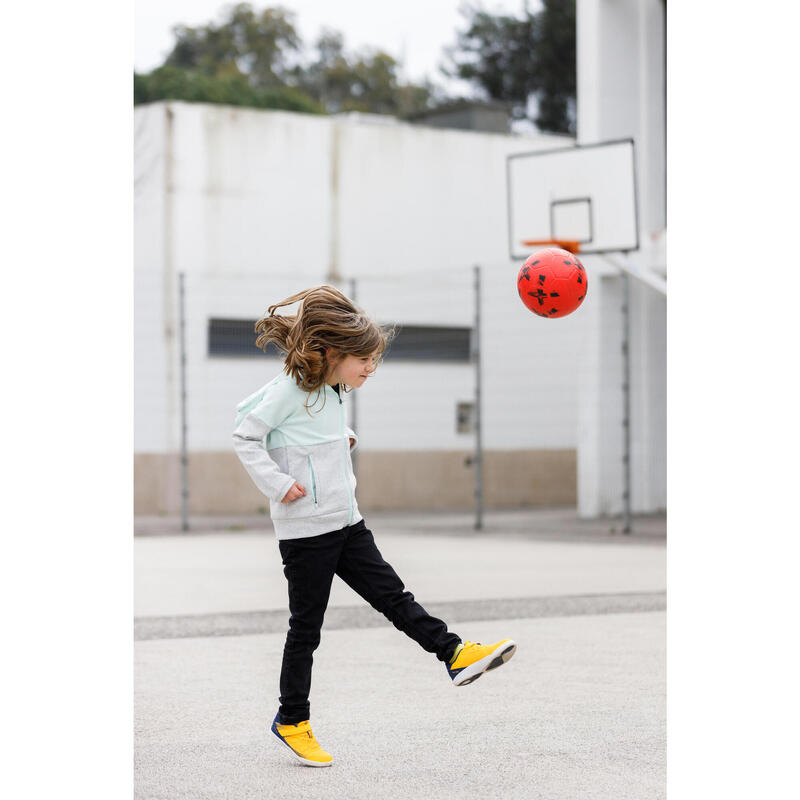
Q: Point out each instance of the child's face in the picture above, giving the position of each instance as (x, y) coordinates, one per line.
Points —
(353, 370)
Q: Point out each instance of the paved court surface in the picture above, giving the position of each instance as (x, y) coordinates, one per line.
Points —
(579, 712)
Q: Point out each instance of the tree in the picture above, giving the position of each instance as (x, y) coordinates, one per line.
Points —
(365, 81)
(255, 44)
(513, 59)
(556, 70)
(256, 58)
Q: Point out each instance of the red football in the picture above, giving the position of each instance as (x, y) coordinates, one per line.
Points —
(552, 282)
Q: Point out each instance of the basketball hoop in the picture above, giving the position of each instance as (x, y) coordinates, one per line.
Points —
(581, 198)
(570, 245)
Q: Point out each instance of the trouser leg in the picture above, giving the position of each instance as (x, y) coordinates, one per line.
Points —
(362, 567)
(309, 566)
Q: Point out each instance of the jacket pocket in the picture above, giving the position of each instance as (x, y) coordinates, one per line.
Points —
(322, 471)
(313, 480)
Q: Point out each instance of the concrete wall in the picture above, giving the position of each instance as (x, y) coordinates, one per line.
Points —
(386, 481)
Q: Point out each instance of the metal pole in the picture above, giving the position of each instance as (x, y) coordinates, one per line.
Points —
(184, 455)
(476, 356)
(354, 395)
(626, 400)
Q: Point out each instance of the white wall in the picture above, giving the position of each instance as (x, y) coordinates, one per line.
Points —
(251, 190)
(415, 198)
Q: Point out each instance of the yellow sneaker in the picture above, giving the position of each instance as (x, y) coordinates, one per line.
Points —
(472, 659)
(301, 742)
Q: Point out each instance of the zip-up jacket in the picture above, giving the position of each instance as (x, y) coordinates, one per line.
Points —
(280, 443)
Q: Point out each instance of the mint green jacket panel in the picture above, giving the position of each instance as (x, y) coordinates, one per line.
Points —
(256, 416)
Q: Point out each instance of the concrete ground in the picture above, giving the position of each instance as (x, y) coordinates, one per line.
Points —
(579, 712)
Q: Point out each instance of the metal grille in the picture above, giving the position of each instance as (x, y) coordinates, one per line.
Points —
(235, 337)
(421, 343)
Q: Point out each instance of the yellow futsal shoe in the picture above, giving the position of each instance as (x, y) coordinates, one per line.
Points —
(472, 659)
(302, 743)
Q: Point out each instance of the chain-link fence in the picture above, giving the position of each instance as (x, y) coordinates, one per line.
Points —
(477, 404)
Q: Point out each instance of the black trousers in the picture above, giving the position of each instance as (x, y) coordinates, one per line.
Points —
(309, 565)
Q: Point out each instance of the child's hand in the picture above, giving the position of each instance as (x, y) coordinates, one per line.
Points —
(296, 491)
(352, 441)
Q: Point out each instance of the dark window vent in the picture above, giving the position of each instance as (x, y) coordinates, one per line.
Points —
(421, 343)
(235, 337)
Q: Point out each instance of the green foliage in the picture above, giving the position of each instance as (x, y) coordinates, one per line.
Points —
(176, 83)
(510, 58)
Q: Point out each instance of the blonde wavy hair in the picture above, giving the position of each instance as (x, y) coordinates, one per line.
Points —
(325, 319)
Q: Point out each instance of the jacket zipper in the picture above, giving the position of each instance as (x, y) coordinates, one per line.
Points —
(313, 481)
(344, 456)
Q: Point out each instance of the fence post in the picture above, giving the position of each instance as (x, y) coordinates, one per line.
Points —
(626, 401)
(184, 455)
(476, 357)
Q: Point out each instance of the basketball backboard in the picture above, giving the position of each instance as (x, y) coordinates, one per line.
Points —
(581, 193)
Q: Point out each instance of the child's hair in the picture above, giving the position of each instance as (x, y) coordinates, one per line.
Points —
(325, 318)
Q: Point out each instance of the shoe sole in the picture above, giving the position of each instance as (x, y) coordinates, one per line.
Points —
(486, 664)
(300, 758)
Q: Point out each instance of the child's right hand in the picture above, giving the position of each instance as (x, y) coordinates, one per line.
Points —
(296, 491)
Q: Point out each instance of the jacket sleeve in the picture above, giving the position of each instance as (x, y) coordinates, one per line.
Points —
(248, 442)
(352, 434)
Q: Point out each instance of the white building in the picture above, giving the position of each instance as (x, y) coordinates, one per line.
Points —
(252, 206)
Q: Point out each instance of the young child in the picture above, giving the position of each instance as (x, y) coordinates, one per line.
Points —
(292, 439)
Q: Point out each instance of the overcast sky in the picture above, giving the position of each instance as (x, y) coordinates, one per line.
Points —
(412, 31)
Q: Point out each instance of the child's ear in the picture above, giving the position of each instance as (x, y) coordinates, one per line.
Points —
(331, 355)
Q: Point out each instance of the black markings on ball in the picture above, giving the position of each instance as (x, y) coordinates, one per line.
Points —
(542, 295)
(581, 297)
(580, 279)
(542, 279)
